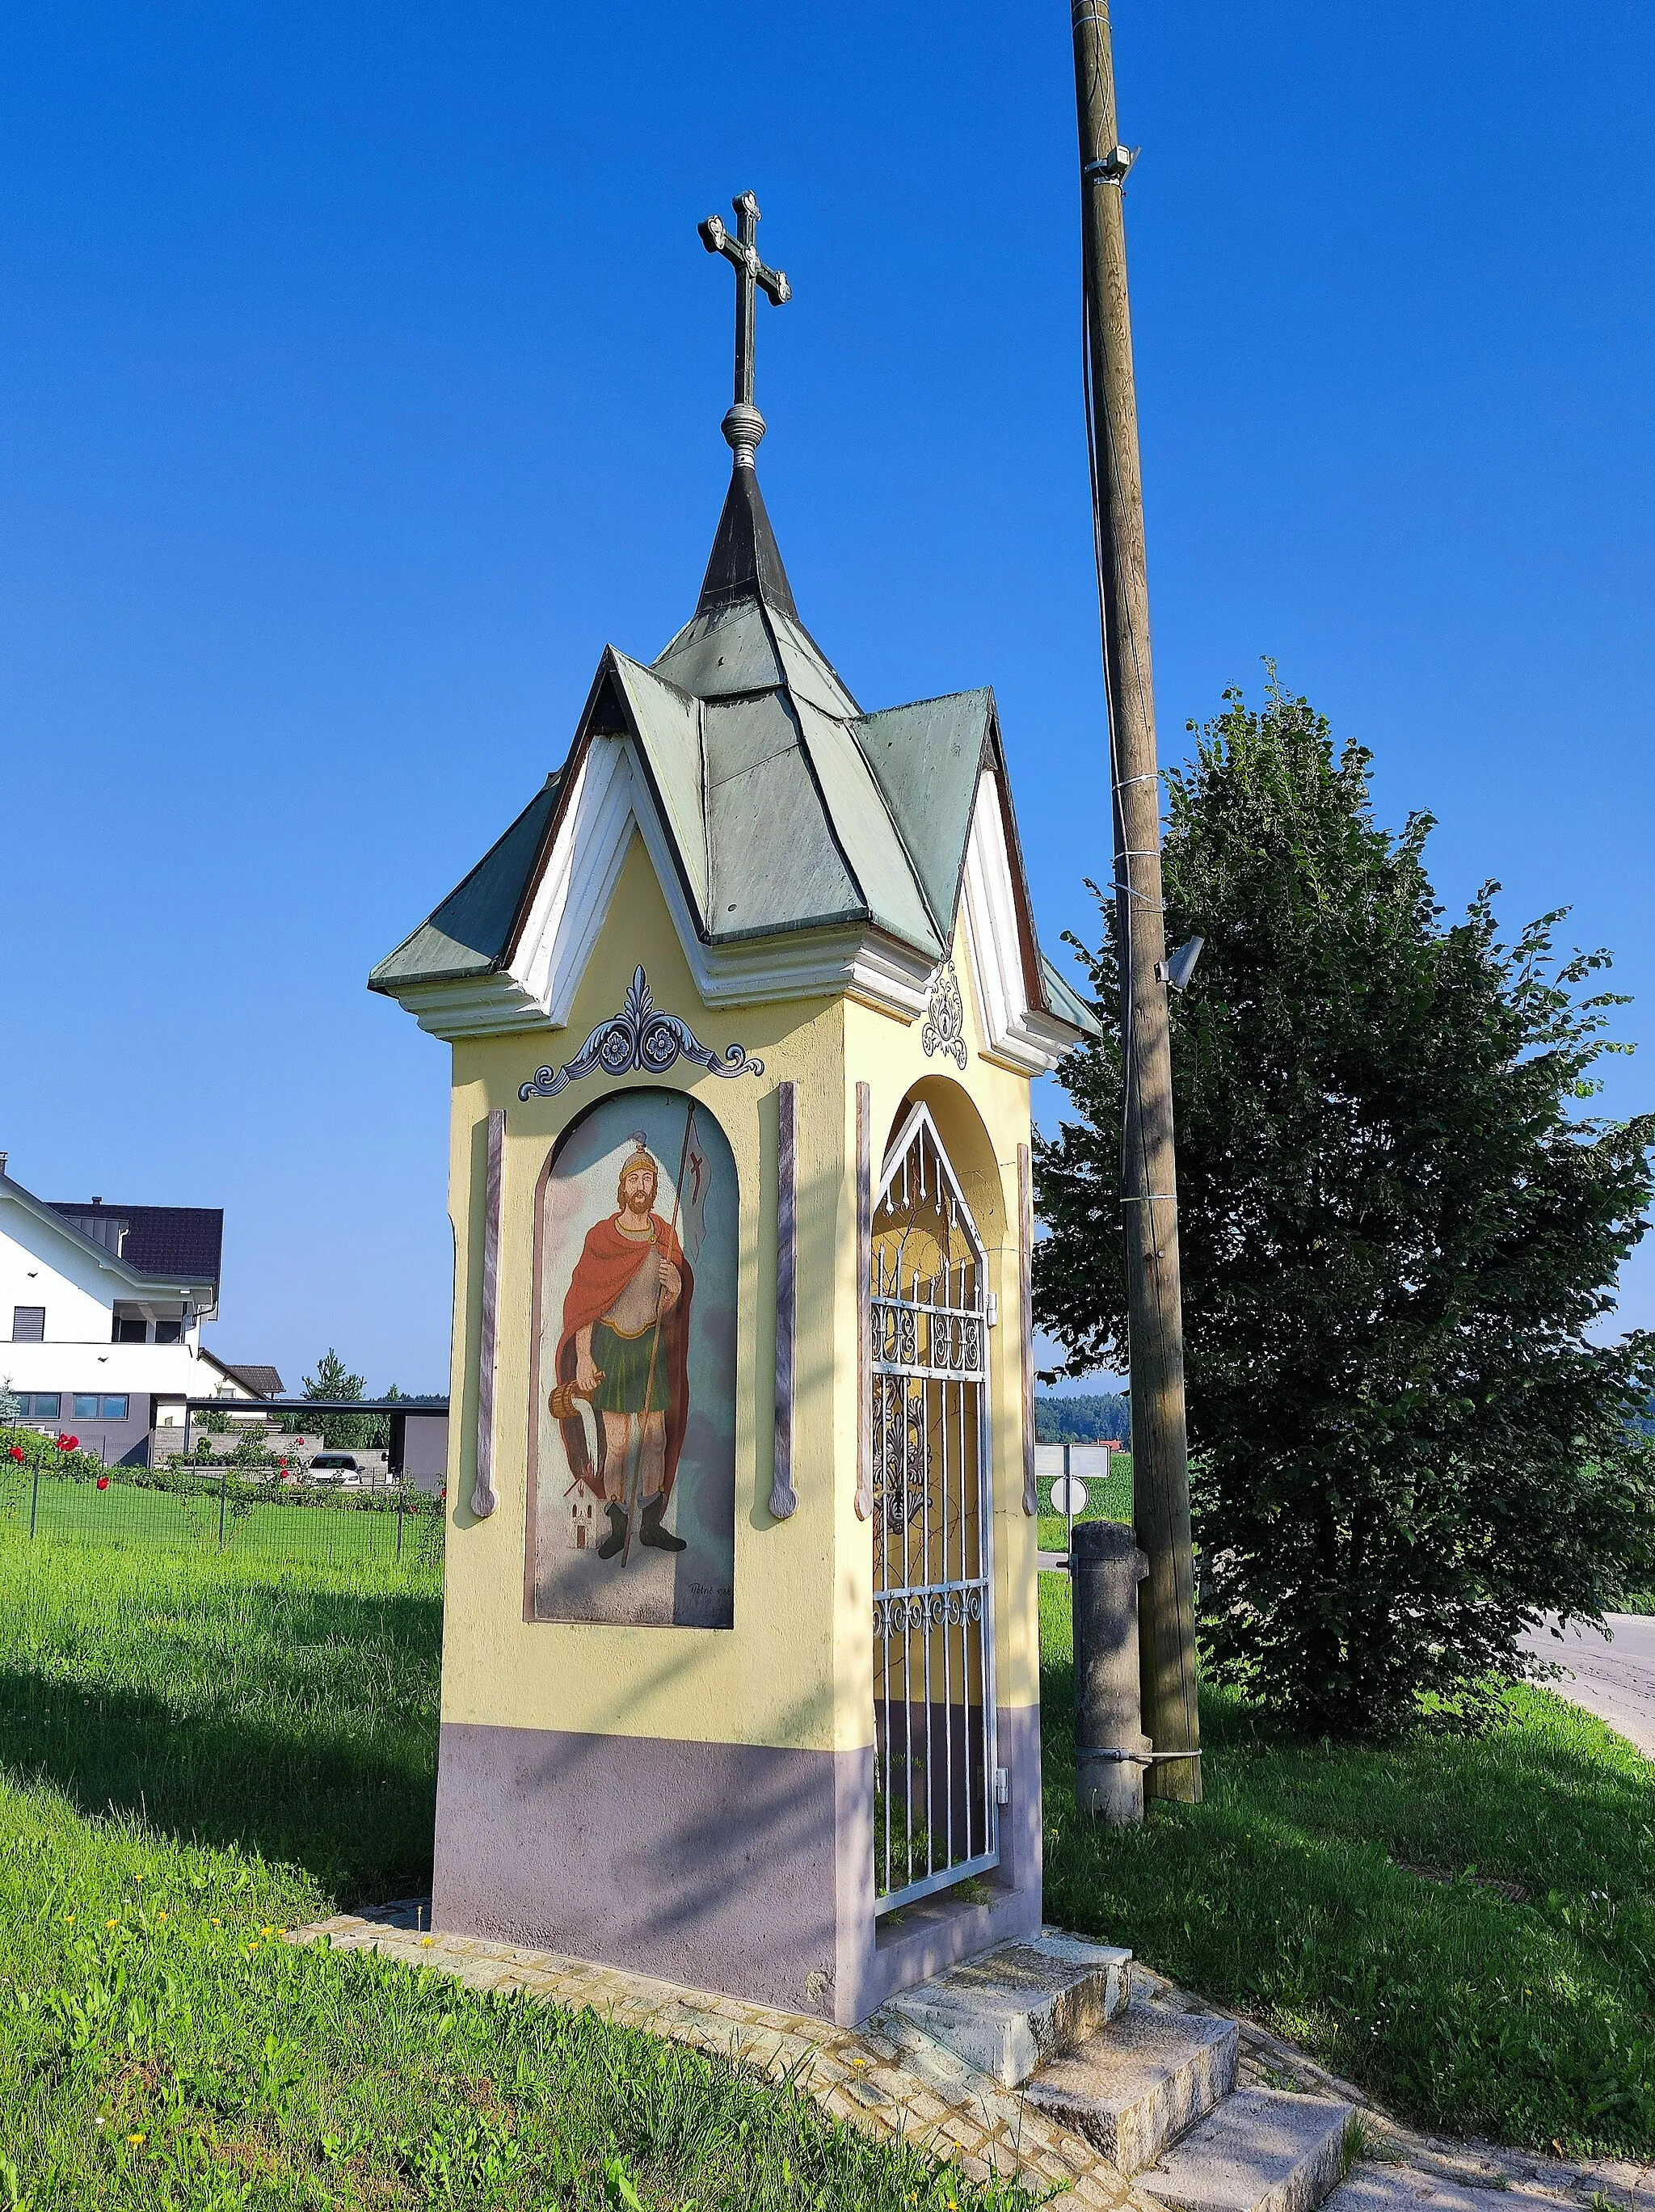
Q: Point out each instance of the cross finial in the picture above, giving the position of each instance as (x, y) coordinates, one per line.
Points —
(743, 426)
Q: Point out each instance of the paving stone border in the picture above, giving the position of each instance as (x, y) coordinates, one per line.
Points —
(889, 2080)
(883, 2078)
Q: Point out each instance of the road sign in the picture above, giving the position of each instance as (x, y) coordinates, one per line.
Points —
(1068, 1495)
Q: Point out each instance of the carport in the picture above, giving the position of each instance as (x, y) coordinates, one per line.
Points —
(427, 1460)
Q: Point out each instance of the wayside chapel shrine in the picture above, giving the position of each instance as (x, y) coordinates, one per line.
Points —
(741, 1663)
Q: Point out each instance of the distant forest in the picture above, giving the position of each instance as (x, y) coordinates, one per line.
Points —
(1082, 1421)
(1089, 1420)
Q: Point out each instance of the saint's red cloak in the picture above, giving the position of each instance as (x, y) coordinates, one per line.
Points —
(607, 1262)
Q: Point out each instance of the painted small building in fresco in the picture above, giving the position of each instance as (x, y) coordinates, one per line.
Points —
(741, 1663)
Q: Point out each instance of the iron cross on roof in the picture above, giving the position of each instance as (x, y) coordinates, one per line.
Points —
(743, 426)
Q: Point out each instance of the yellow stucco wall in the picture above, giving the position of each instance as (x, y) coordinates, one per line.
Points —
(795, 1670)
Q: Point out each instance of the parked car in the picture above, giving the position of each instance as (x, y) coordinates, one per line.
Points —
(336, 1467)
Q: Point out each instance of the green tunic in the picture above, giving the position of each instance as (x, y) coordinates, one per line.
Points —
(624, 1363)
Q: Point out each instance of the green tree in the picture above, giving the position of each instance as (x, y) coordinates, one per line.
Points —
(1083, 1420)
(333, 1379)
(1400, 1229)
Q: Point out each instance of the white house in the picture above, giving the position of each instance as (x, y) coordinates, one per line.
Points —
(103, 1307)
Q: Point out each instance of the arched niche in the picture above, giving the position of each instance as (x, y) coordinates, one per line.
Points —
(616, 1536)
(971, 1154)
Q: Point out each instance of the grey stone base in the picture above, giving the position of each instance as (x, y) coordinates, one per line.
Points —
(740, 1869)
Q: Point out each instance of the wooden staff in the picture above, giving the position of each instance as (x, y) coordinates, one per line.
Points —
(655, 1346)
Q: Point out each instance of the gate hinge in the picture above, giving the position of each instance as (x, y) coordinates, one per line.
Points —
(991, 1309)
(1002, 1785)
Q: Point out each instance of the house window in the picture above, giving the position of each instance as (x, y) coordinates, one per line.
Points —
(94, 1406)
(169, 1332)
(28, 1324)
(47, 1406)
(128, 1331)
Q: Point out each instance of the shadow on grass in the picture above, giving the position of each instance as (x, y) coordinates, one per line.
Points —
(298, 1724)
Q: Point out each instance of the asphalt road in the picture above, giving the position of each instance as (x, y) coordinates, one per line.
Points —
(1616, 1680)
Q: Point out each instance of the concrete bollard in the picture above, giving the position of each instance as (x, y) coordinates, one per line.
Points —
(1107, 1567)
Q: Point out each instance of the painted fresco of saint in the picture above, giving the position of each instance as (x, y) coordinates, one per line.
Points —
(624, 1353)
(632, 1446)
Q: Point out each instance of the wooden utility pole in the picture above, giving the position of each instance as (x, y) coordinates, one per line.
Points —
(1160, 1483)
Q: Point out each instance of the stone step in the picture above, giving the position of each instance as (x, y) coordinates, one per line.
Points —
(1008, 2011)
(1407, 2189)
(1263, 2150)
(1150, 2075)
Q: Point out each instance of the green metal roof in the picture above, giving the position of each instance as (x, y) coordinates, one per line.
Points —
(469, 932)
(668, 723)
(929, 759)
(1064, 1001)
(788, 808)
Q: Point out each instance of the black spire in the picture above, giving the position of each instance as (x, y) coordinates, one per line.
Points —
(746, 561)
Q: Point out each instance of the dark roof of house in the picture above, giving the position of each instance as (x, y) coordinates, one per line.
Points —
(265, 1381)
(159, 1240)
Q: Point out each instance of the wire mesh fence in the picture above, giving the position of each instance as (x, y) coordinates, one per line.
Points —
(221, 1510)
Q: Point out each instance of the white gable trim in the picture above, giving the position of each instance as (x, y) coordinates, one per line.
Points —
(567, 912)
(571, 903)
(1024, 1036)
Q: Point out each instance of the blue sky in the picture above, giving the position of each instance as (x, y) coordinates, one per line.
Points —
(360, 374)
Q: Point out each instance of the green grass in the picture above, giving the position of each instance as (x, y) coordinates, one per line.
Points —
(198, 1517)
(290, 1712)
(238, 1745)
(1288, 1893)
(197, 1753)
(1110, 1500)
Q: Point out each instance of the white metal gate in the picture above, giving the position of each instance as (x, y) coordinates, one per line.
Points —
(935, 1821)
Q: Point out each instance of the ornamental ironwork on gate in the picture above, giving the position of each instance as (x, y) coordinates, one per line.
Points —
(935, 1821)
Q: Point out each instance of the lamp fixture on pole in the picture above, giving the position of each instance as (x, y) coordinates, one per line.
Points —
(1177, 969)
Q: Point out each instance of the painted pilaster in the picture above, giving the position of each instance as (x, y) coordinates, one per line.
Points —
(784, 1499)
